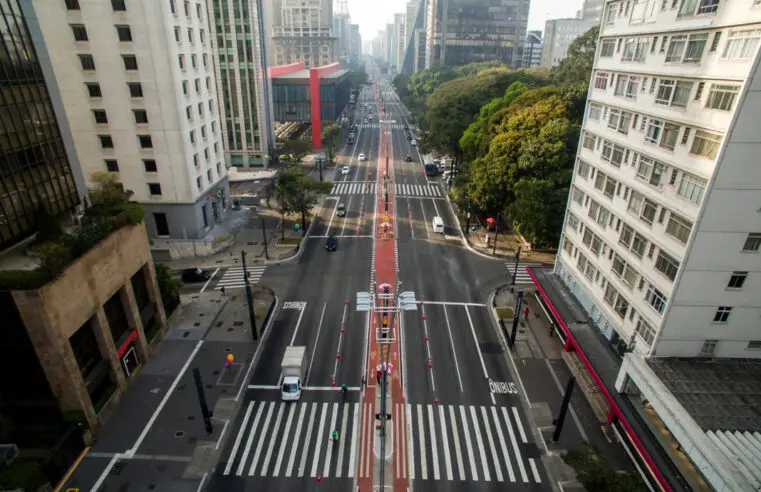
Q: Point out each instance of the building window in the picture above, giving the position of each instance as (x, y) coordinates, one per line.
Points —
(177, 34)
(93, 89)
(651, 171)
(741, 45)
(124, 33)
(197, 84)
(112, 166)
(678, 228)
(698, 7)
(189, 113)
(141, 116)
(686, 135)
(645, 331)
(752, 242)
(708, 348)
(737, 280)
(627, 86)
(100, 116)
(130, 62)
(181, 61)
(722, 97)
(205, 59)
(195, 160)
(192, 136)
(754, 344)
(686, 49)
(656, 299)
(87, 62)
(186, 6)
(146, 142)
(208, 175)
(722, 314)
(577, 196)
(79, 31)
(119, 5)
(135, 89)
(154, 189)
(619, 120)
(705, 144)
(190, 35)
(106, 141)
(150, 166)
(72, 4)
(674, 93)
(172, 7)
(692, 188)
(208, 83)
(601, 81)
(715, 42)
(666, 265)
(194, 61)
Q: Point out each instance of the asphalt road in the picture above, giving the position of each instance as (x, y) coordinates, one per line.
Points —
(313, 295)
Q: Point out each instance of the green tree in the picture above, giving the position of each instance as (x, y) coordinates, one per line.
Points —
(296, 148)
(169, 288)
(107, 191)
(537, 211)
(300, 192)
(48, 226)
(330, 138)
(596, 475)
(286, 186)
(576, 69)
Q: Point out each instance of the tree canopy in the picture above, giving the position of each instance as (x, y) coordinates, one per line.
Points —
(576, 69)
(298, 192)
(330, 139)
(297, 148)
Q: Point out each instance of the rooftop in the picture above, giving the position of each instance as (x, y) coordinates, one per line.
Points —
(304, 74)
(720, 394)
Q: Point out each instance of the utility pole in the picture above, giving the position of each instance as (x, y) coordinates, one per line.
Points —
(467, 217)
(563, 409)
(515, 267)
(319, 165)
(249, 297)
(516, 317)
(496, 233)
(264, 236)
(205, 413)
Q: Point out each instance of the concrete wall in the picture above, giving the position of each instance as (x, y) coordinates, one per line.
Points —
(55, 312)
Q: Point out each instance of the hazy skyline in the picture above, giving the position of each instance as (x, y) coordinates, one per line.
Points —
(373, 16)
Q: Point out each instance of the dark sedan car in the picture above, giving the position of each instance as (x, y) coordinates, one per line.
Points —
(191, 275)
(331, 244)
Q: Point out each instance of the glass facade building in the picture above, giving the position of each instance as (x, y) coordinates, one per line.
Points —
(34, 168)
(460, 32)
(241, 57)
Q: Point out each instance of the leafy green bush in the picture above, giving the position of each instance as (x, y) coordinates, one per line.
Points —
(169, 288)
(24, 475)
(23, 279)
(596, 474)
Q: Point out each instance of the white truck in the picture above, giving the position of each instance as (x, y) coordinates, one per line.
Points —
(294, 368)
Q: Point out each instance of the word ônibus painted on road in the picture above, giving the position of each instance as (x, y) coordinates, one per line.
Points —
(294, 305)
(502, 388)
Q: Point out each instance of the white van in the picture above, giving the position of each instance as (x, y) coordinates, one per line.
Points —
(438, 225)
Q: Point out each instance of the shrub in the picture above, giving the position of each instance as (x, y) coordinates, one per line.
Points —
(23, 279)
(54, 256)
(24, 475)
(169, 288)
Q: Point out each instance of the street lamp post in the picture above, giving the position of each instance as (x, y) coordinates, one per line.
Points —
(249, 297)
(496, 233)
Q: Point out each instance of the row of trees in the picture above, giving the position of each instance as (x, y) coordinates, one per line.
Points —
(513, 132)
(297, 192)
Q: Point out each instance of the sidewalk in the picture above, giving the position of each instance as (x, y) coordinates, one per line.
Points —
(543, 364)
(156, 438)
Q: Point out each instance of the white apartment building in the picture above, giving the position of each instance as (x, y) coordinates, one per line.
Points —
(400, 42)
(138, 89)
(241, 61)
(662, 234)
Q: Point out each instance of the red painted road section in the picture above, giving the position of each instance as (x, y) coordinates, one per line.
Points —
(385, 273)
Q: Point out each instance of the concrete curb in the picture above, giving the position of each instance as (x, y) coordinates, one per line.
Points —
(464, 238)
(525, 403)
(300, 247)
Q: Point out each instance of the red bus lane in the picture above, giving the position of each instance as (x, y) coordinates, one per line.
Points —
(384, 267)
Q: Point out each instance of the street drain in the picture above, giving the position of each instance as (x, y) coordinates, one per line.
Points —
(196, 324)
(228, 350)
(237, 323)
(118, 468)
(179, 434)
(185, 334)
(191, 417)
(229, 330)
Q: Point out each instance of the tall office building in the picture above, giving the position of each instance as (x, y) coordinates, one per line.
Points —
(459, 32)
(35, 149)
(591, 10)
(237, 39)
(399, 42)
(303, 32)
(662, 237)
(532, 49)
(342, 33)
(410, 16)
(389, 43)
(558, 36)
(355, 43)
(377, 45)
(138, 88)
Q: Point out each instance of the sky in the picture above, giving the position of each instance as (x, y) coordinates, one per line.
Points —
(373, 15)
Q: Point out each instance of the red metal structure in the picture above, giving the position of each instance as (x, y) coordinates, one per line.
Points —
(285, 69)
(315, 74)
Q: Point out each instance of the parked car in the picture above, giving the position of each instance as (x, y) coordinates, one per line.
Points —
(190, 275)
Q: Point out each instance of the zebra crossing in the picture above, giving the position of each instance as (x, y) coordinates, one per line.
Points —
(370, 126)
(469, 443)
(401, 190)
(522, 277)
(233, 277)
(280, 439)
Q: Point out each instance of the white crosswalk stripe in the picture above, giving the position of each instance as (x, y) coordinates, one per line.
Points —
(290, 431)
(475, 432)
(522, 277)
(375, 126)
(233, 277)
(414, 190)
(366, 188)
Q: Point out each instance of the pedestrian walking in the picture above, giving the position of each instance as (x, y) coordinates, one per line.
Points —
(378, 374)
(222, 290)
(525, 314)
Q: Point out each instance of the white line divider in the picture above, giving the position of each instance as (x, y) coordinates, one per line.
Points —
(480, 443)
(469, 445)
(268, 456)
(490, 440)
(445, 441)
(454, 351)
(320, 431)
(503, 445)
(513, 441)
(291, 459)
(340, 461)
(286, 432)
(355, 444)
(249, 441)
(475, 341)
(303, 462)
(261, 441)
(331, 443)
(238, 439)
(423, 458)
(457, 449)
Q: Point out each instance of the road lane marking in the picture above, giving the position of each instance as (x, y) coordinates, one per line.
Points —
(434, 446)
(454, 352)
(480, 443)
(457, 449)
(445, 442)
(330, 223)
(319, 445)
(514, 442)
(355, 444)
(503, 444)
(298, 323)
(208, 281)
(303, 388)
(286, 433)
(448, 303)
(303, 462)
(535, 470)
(519, 424)
(316, 343)
(410, 444)
(475, 340)
(250, 440)
(345, 438)
(421, 439)
(296, 437)
(490, 439)
(370, 440)
(258, 451)
(331, 444)
(239, 438)
(273, 434)
(346, 215)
